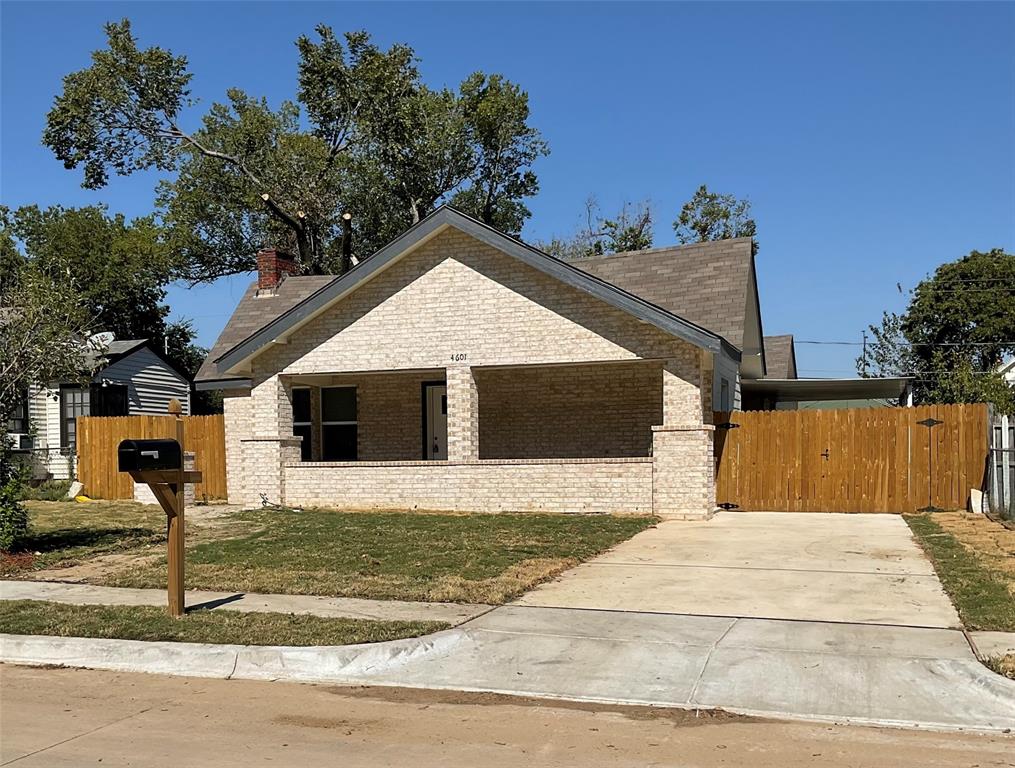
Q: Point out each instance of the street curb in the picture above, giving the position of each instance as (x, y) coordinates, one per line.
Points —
(334, 664)
(351, 665)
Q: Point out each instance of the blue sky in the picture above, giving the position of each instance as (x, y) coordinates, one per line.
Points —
(875, 141)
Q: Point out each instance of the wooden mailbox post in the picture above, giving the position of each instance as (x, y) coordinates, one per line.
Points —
(161, 465)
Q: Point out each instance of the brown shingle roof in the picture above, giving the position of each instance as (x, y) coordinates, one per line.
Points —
(706, 283)
(253, 313)
(780, 357)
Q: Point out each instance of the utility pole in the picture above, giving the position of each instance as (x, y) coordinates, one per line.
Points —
(864, 355)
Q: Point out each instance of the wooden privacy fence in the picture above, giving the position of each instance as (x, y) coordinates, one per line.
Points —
(855, 460)
(99, 436)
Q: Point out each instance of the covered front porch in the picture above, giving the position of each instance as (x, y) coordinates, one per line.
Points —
(577, 438)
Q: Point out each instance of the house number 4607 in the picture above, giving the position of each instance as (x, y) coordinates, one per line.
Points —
(458, 357)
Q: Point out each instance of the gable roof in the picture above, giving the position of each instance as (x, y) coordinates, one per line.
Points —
(708, 283)
(780, 357)
(113, 351)
(118, 349)
(253, 313)
(308, 307)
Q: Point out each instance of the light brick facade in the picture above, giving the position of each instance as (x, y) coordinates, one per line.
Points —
(584, 411)
(605, 486)
(556, 400)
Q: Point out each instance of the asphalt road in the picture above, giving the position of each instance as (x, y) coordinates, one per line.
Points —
(69, 717)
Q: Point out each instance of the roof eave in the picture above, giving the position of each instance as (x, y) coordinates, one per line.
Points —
(212, 385)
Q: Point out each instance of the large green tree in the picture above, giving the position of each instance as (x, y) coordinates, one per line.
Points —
(119, 268)
(630, 229)
(43, 327)
(712, 216)
(958, 327)
(364, 136)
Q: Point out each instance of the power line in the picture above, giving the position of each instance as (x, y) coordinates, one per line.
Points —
(917, 343)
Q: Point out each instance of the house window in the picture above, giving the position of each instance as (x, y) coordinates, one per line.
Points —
(74, 402)
(302, 423)
(338, 424)
(18, 422)
(724, 395)
(108, 399)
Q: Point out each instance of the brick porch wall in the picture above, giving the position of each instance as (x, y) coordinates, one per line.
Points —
(585, 411)
(605, 486)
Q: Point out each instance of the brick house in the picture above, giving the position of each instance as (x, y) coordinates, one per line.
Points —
(460, 369)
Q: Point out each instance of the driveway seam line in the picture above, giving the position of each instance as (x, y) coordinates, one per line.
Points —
(566, 636)
(736, 616)
(757, 568)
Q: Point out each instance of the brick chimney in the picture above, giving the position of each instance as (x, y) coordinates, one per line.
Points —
(272, 267)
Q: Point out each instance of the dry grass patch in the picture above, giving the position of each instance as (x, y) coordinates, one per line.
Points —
(975, 559)
(1003, 665)
(35, 617)
(395, 556)
(84, 540)
(988, 540)
(66, 533)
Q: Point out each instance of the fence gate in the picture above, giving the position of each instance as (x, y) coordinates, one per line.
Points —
(99, 436)
(855, 460)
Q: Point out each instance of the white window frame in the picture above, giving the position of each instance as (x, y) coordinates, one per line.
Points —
(306, 423)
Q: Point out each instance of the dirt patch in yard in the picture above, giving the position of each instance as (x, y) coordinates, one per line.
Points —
(99, 540)
(975, 559)
(95, 569)
(991, 542)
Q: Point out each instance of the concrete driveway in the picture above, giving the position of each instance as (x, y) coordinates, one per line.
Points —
(863, 569)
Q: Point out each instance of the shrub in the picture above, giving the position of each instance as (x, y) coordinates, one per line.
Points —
(49, 490)
(13, 515)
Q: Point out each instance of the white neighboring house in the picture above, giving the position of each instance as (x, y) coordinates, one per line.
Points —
(1002, 438)
(131, 378)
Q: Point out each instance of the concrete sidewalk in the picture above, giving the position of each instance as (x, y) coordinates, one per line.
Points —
(897, 676)
(329, 607)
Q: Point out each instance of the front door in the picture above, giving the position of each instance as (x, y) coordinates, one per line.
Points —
(435, 416)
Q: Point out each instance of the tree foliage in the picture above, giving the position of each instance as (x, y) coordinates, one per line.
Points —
(119, 270)
(364, 135)
(958, 327)
(712, 216)
(630, 229)
(43, 325)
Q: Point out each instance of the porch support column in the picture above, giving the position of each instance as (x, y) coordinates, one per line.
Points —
(683, 474)
(271, 444)
(463, 414)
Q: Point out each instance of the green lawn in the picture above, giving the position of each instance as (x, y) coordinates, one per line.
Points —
(481, 558)
(33, 617)
(66, 532)
(975, 571)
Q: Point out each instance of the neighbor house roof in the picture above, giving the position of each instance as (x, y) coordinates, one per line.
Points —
(113, 351)
(118, 349)
(252, 327)
(707, 283)
(780, 357)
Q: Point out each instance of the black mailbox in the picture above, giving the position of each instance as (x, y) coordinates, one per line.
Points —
(139, 455)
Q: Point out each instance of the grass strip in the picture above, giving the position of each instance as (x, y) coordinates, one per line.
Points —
(37, 617)
(979, 593)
